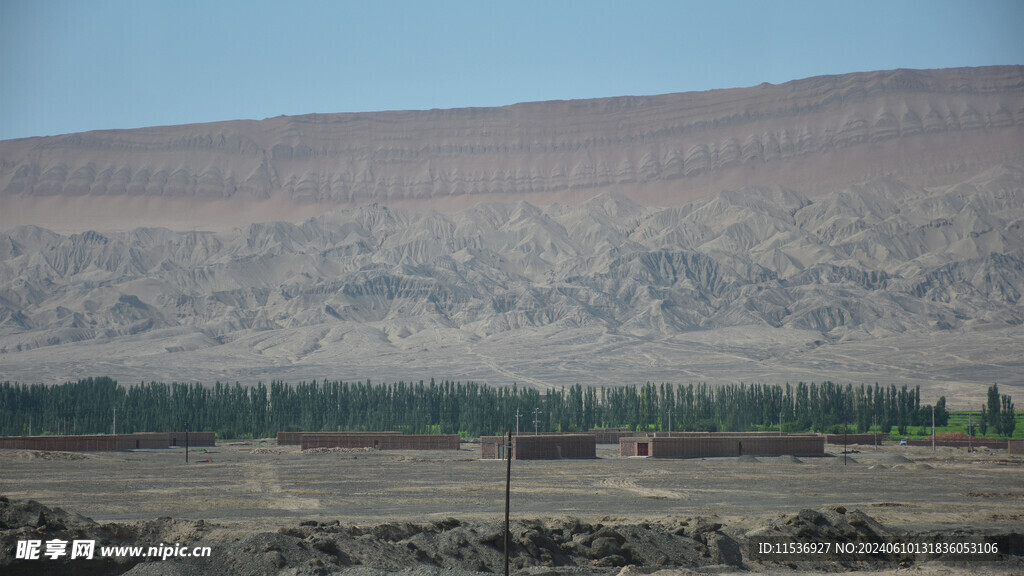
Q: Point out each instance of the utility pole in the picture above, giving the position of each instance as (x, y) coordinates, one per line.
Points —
(508, 489)
(875, 430)
(970, 434)
(669, 421)
(115, 421)
(780, 421)
(517, 422)
(29, 424)
(536, 421)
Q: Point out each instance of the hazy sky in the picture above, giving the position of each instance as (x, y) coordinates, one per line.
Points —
(71, 66)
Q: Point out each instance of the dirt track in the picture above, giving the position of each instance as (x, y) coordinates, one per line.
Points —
(249, 488)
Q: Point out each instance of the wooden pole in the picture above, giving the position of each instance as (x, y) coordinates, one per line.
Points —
(844, 443)
(508, 485)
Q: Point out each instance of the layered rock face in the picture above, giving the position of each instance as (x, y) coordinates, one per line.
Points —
(877, 281)
(812, 136)
(876, 234)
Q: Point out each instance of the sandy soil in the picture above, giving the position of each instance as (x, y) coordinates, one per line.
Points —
(238, 491)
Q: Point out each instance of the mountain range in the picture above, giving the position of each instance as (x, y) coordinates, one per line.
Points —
(859, 228)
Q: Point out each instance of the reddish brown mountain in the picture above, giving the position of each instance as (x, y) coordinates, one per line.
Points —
(923, 127)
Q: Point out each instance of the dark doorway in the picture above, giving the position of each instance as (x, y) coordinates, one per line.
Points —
(642, 449)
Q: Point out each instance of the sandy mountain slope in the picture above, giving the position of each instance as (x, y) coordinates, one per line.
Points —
(881, 280)
(812, 136)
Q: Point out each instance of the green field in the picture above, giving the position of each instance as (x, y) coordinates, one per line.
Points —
(958, 423)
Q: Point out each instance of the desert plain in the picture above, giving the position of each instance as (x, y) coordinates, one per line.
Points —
(268, 509)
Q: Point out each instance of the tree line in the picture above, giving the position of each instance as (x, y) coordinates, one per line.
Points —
(97, 405)
(997, 413)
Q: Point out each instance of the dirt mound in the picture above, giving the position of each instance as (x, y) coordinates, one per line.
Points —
(952, 436)
(336, 450)
(30, 520)
(33, 514)
(558, 547)
(748, 459)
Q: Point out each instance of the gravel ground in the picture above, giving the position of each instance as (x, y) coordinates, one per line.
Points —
(265, 509)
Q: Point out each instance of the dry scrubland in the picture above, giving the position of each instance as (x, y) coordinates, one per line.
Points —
(270, 509)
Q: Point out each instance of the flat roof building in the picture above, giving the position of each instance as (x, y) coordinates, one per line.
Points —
(541, 447)
(712, 446)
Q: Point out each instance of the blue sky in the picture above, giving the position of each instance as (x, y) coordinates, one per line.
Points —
(71, 66)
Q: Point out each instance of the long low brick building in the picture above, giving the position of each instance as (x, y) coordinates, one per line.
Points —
(107, 442)
(541, 447)
(712, 446)
(200, 439)
(383, 441)
(295, 438)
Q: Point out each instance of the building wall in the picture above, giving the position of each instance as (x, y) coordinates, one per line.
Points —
(543, 447)
(715, 445)
(554, 446)
(1016, 446)
(84, 443)
(420, 442)
(489, 446)
(693, 447)
(796, 445)
(383, 441)
(627, 446)
(105, 442)
(195, 439)
(144, 440)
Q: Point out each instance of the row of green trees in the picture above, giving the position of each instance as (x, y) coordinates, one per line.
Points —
(97, 405)
(998, 413)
